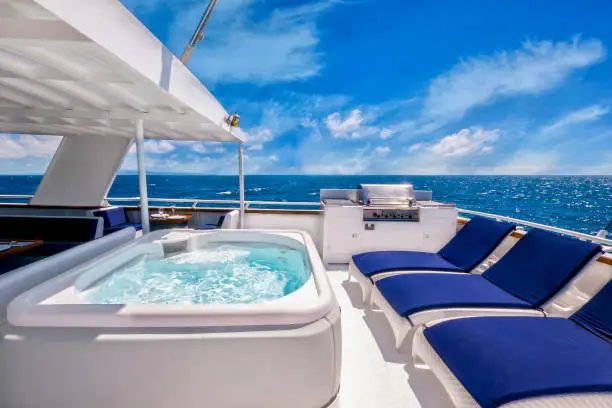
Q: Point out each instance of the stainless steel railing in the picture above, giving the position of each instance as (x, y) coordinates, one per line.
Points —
(196, 201)
(517, 221)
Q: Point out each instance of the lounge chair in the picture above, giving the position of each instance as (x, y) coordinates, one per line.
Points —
(115, 219)
(537, 267)
(465, 251)
(218, 225)
(522, 361)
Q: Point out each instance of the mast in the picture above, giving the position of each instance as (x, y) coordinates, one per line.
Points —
(198, 35)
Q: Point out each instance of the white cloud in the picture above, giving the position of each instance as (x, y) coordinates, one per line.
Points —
(155, 147)
(257, 137)
(159, 146)
(585, 115)
(532, 69)
(199, 148)
(466, 142)
(526, 163)
(255, 147)
(604, 167)
(22, 146)
(417, 146)
(242, 45)
(382, 150)
(260, 135)
(386, 133)
(309, 122)
(353, 126)
(350, 165)
(348, 128)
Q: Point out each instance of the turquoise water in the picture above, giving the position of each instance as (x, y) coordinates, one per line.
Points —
(216, 274)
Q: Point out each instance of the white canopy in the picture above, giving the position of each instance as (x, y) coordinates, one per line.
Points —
(90, 68)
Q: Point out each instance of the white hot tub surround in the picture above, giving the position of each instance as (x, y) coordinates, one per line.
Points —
(59, 303)
(279, 353)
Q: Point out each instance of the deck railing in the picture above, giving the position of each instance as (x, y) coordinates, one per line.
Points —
(194, 202)
(563, 231)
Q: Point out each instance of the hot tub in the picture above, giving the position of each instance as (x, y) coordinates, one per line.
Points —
(179, 318)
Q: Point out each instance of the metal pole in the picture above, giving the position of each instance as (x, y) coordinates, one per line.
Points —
(241, 178)
(142, 177)
(199, 32)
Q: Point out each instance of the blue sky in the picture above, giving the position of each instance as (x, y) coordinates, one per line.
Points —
(390, 87)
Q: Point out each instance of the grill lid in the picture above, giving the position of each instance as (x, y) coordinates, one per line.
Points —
(387, 194)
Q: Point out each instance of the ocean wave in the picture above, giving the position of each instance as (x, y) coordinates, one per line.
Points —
(225, 193)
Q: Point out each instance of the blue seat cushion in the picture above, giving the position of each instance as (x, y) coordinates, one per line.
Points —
(113, 217)
(412, 293)
(504, 359)
(540, 264)
(468, 248)
(207, 227)
(474, 242)
(110, 230)
(371, 263)
(213, 226)
(596, 315)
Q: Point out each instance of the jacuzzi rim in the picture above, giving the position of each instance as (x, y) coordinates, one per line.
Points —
(26, 311)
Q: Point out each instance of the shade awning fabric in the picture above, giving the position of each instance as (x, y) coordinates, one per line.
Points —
(91, 68)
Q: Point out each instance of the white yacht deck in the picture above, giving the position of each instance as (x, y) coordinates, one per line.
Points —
(374, 373)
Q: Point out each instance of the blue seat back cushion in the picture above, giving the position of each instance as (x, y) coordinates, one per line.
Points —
(371, 263)
(540, 264)
(112, 216)
(220, 222)
(504, 359)
(474, 242)
(596, 315)
(49, 229)
(409, 294)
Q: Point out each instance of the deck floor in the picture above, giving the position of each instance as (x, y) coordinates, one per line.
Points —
(374, 373)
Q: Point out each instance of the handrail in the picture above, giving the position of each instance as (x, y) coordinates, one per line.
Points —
(196, 201)
(16, 196)
(563, 231)
(306, 203)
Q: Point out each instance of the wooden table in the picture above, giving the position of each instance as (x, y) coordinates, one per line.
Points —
(18, 247)
(170, 221)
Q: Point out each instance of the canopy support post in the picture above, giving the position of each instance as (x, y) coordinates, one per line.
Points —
(142, 177)
(241, 181)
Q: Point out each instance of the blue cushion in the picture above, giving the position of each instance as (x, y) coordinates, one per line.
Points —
(504, 359)
(540, 264)
(412, 293)
(207, 227)
(370, 263)
(474, 242)
(112, 216)
(468, 248)
(596, 315)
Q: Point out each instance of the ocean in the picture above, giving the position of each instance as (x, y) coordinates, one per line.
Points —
(580, 203)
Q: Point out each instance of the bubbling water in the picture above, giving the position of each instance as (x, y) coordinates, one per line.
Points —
(224, 273)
